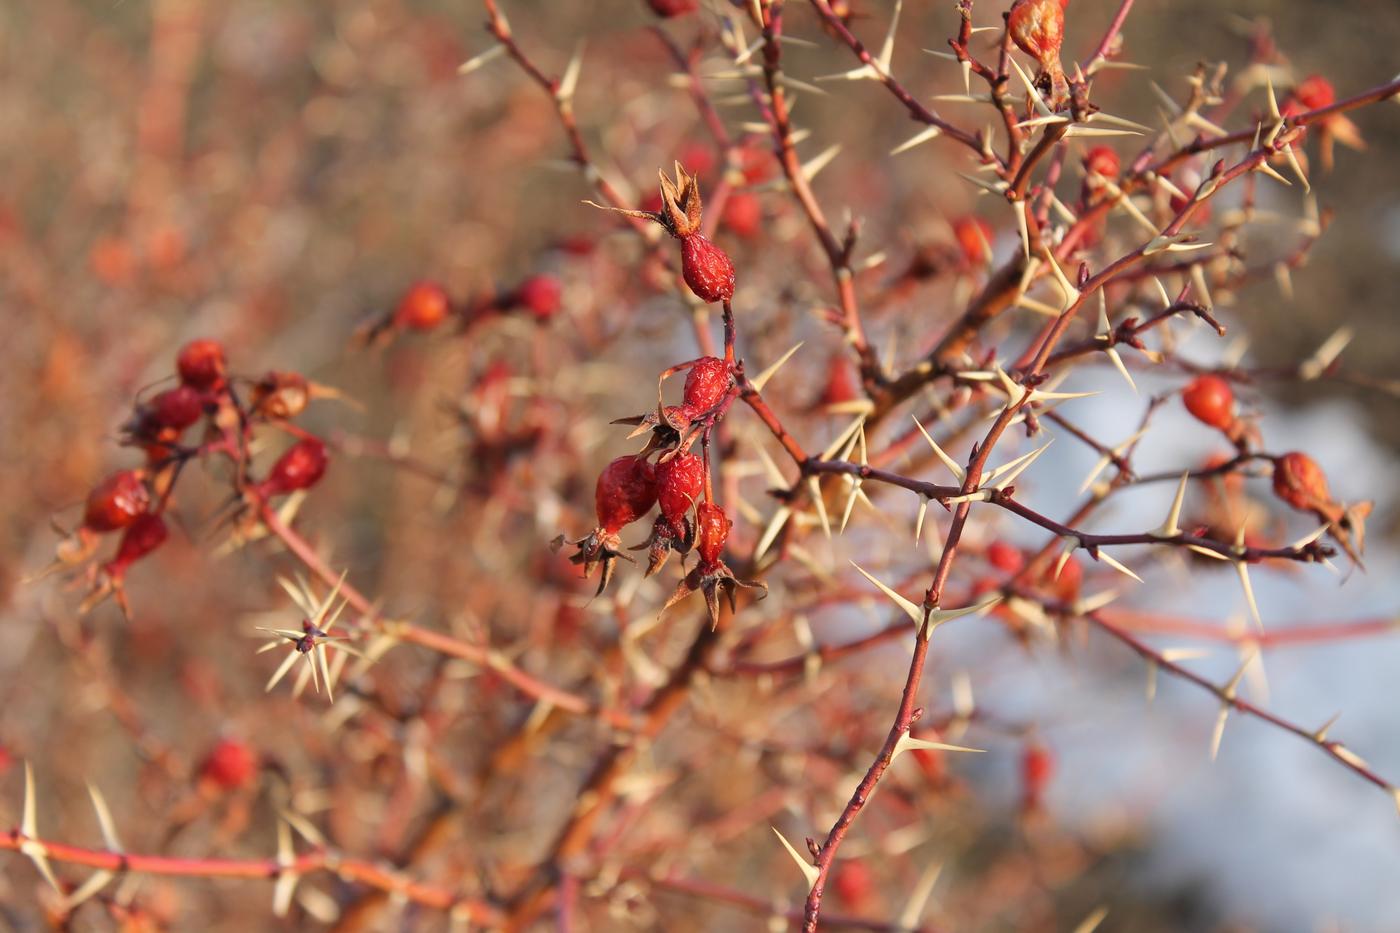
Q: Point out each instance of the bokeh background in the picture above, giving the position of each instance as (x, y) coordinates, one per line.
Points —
(274, 173)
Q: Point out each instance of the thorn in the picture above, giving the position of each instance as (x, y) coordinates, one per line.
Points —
(770, 533)
(1113, 562)
(1091, 923)
(813, 166)
(919, 522)
(1326, 354)
(1008, 472)
(913, 611)
(814, 487)
(762, 378)
(31, 848)
(947, 461)
(1151, 680)
(809, 871)
(1171, 527)
(918, 898)
(923, 136)
(1320, 735)
(476, 61)
(104, 819)
(569, 82)
(907, 742)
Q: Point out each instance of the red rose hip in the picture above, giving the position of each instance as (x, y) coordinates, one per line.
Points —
(423, 307)
(202, 365)
(679, 483)
(116, 502)
(625, 492)
(1211, 401)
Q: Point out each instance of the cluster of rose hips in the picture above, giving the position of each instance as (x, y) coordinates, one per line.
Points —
(1298, 480)
(426, 306)
(134, 501)
(679, 484)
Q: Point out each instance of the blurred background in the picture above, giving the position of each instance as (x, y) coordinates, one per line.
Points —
(275, 174)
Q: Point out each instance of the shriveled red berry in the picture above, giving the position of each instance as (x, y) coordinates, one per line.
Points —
(539, 294)
(424, 306)
(706, 383)
(142, 537)
(300, 467)
(1104, 162)
(742, 214)
(1005, 557)
(707, 269)
(974, 236)
(116, 502)
(202, 364)
(679, 482)
(669, 8)
(176, 408)
(1211, 401)
(713, 530)
(229, 765)
(625, 492)
(1038, 29)
(1300, 482)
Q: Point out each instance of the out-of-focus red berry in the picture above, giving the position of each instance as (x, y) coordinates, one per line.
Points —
(300, 467)
(842, 382)
(713, 527)
(625, 492)
(1299, 481)
(669, 8)
(1065, 587)
(679, 482)
(116, 502)
(742, 214)
(1315, 92)
(698, 158)
(1004, 557)
(1104, 162)
(423, 307)
(202, 364)
(974, 236)
(854, 884)
(1211, 401)
(1037, 768)
(176, 408)
(540, 294)
(706, 383)
(229, 765)
(141, 537)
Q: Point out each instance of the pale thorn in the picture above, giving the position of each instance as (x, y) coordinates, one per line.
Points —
(851, 495)
(963, 702)
(1162, 181)
(1037, 307)
(1028, 275)
(1070, 292)
(940, 53)
(1271, 98)
(762, 378)
(281, 671)
(919, 897)
(770, 469)
(1102, 117)
(304, 827)
(1043, 121)
(1310, 537)
(1091, 923)
(907, 742)
(94, 883)
(912, 610)
(1116, 565)
(919, 521)
(745, 54)
(1242, 569)
(815, 489)
(813, 166)
(790, 82)
(841, 439)
(995, 187)
(886, 56)
(1095, 602)
(483, 58)
(1194, 120)
(874, 260)
(1326, 354)
(1014, 390)
(1175, 655)
(1006, 474)
(980, 495)
(818, 569)
(31, 848)
(966, 67)
(1121, 199)
(1320, 735)
(1290, 153)
(1171, 527)
(968, 98)
(923, 136)
(1349, 756)
(942, 455)
(1283, 278)
(1022, 228)
(756, 8)
(1032, 94)
(1106, 334)
(104, 819)
(1217, 733)
(1198, 282)
(287, 879)
(1104, 460)
(1267, 169)
(978, 30)
(1395, 791)
(569, 82)
(1082, 131)
(1207, 552)
(809, 871)
(1071, 544)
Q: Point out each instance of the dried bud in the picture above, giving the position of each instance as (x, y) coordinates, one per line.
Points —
(1038, 29)
(280, 396)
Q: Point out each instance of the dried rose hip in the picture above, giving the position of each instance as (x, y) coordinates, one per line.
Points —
(706, 384)
(974, 236)
(679, 483)
(626, 491)
(117, 501)
(176, 408)
(202, 365)
(1038, 29)
(1300, 482)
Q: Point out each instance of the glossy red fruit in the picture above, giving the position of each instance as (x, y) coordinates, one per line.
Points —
(300, 467)
(1211, 401)
(1300, 482)
(706, 269)
(176, 408)
(423, 307)
(679, 482)
(116, 502)
(706, 383)
(625, 492)
(1104, 162)
(229, 765)
(202, 365)
(743, 214)
(974, 236)
(143, 536)
(712, 531)
(1004, 557)
(540, 294)
(669, 8)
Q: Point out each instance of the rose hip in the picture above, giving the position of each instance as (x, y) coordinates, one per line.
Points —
(713, 530)
(1211, 401)
(625, 492)
(1300, 482)
(116, 502)
(424, 306)
(202, 365)
(706, 384)
(679, 482)
(300, 467)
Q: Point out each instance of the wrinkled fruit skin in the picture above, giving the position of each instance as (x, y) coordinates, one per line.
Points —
(679, 482)
(116, 502)
(1300, 482)
(669, 8)
(301, 467)
(626, 491)
(705, 385)
(712, 530)
(202, 365)
(1038, 29)
(1211, 401)
(707, 269)
(423, 307)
